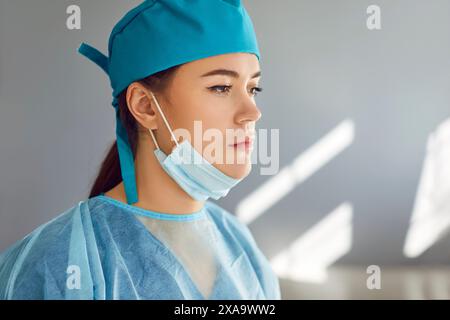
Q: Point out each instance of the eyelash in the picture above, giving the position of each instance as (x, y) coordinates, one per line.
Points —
(257, 89)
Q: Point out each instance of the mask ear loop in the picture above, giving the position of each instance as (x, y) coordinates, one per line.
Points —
(165, 121)
(154, 140)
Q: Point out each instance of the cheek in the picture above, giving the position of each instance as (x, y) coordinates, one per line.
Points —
(210, 112)
(208, 128)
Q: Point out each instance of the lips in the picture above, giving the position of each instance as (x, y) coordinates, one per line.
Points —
(247, 141)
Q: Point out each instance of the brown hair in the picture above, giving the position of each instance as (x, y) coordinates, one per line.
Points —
(109, 174)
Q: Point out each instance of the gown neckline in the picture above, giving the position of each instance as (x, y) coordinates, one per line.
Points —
(200, 214)
(178, 263)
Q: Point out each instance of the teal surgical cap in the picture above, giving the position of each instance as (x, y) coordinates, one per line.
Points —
(160, 34)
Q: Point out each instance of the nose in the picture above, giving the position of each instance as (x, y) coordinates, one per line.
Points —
(248, 113)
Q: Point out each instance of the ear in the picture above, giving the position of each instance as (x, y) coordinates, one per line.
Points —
(141, 106)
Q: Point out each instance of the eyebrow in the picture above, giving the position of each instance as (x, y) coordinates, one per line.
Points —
(227, 72)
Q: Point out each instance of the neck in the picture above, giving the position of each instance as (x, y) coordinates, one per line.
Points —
(157, 191)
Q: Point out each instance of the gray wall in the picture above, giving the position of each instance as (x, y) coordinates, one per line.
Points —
(320, 64)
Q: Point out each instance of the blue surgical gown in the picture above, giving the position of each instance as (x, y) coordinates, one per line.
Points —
(102, 248)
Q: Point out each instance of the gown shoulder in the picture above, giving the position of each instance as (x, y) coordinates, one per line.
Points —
(31, 267)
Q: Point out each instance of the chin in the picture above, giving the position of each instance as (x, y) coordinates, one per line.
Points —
(237, 171)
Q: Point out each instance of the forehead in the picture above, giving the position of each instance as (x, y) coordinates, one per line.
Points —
(246, 64)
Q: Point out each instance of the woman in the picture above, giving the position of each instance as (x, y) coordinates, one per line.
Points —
(148, 230)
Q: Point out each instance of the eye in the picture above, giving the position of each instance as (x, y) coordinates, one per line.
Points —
(256, 90)
(220, 89)
(226, 89)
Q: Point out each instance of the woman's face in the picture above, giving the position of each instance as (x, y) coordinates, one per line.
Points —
(219, 93)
